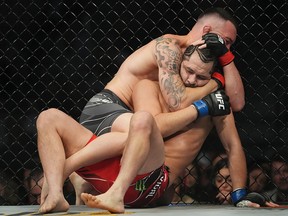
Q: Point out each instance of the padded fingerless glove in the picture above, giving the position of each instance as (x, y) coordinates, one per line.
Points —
(240, 198)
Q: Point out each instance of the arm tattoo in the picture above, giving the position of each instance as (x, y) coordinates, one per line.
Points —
(169, 57)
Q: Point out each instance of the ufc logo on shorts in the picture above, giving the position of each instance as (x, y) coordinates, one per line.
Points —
(220, 100)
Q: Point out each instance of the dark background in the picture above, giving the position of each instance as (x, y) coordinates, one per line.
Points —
(60, 53)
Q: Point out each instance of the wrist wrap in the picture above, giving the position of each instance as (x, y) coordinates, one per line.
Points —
(237, 195)
(201, 107)
(219, 78)
(226, 59)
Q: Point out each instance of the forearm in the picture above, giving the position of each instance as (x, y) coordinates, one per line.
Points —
(234, 87)
(237, 168)
(193, 94)
(233, 83)
(170, 123)
(209, 105)
(231, 142)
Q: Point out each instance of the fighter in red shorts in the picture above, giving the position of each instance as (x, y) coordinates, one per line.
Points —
(144, 189)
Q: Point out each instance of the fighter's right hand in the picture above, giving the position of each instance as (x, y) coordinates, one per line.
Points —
(215, 104)
(241, 198)
(217, 45)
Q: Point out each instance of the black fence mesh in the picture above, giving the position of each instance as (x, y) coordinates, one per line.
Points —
(60, 53)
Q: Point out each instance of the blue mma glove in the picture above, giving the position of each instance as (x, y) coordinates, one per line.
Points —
(215, 104)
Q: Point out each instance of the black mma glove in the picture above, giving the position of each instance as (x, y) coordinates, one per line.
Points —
(214, 104)
(240, 198)
(218, 47)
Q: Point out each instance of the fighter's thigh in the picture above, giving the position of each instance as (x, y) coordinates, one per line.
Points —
(75, 136)
(122, 123)
(72, 134)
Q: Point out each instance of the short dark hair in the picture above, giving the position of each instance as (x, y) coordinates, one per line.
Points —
(221, 13)
(205, 55)
(223, 163)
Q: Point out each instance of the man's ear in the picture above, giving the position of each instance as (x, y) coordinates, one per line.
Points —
(206, 29)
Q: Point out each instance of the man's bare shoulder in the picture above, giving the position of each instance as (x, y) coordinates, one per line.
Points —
(172, 38)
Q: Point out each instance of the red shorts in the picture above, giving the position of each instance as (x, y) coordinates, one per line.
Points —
(142, 192)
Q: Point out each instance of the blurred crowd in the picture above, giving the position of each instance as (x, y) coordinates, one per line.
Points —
(205, 180)
(25, 188)
(208, 180)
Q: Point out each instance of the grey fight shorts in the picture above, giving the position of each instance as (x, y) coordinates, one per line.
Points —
(101, 111)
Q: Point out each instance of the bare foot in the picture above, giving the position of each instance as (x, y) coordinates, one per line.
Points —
(54, 204)
(103, 201)
(44, 191)
(80, 186)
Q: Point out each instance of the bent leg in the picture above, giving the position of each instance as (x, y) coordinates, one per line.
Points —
(144, 152)
(105, 146)
(59, 136)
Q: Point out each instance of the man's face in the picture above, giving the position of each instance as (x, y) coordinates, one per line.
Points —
(258, 180)
(224, 184)
(279, 175)
(35, 191)
(194, 72)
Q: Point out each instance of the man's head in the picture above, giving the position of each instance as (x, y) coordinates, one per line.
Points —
(218, 21)
(197, 66)
(222, 180)
(35, 186)
(279, 173)
(258, 178)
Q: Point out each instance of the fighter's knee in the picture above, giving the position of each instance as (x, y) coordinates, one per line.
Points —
(46, 118)
(142, 120)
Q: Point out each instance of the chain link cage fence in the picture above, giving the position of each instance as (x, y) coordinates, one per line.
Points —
(60, 53)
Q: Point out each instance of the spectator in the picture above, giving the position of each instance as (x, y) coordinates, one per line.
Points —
(279, 178)
(33, 182)
(34, 186)
(221, 182)
(258, 177)
(205, 162)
